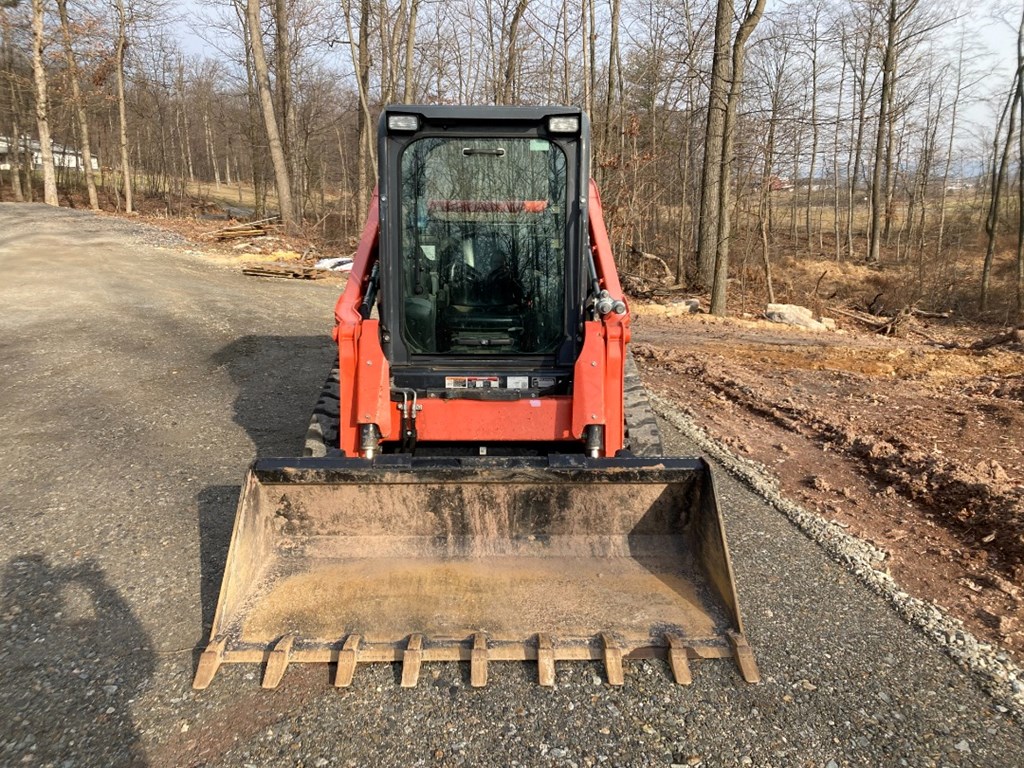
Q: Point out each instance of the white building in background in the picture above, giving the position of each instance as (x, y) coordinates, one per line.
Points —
(63, 157)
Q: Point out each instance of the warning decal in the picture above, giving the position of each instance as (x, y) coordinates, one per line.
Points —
(471, 382)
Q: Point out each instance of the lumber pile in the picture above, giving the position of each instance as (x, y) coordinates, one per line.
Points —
(260, 228)
(293, 271)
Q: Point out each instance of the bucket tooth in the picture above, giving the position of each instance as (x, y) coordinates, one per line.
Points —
(209, 663)
(545, 660)
(744, 658)
(411, 660)
(612, 660)
(678, 660)
(348, 656)
(277, 663)
(478, 661)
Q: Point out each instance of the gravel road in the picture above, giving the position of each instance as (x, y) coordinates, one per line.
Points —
(138, 382)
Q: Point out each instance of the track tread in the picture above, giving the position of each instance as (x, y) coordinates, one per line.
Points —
(322, 436)
(642, 435)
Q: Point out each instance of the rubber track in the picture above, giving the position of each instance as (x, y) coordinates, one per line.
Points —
(642, 433)
(322, 435)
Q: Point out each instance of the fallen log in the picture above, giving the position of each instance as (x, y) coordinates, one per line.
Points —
(1012, 336)
(896, 325)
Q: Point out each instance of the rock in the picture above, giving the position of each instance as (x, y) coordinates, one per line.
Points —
(681, 307)
(992, 470)
(963, 746)
(1007, 625)
(819, 483)
(793, 314)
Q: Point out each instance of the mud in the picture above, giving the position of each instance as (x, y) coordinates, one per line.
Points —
(512, 599)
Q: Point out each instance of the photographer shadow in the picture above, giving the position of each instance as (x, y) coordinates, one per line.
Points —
(76, 657)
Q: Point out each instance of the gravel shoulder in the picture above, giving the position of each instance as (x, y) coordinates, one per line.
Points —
(141, 379)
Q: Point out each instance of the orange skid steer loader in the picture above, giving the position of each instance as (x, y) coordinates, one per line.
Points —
(483, 479)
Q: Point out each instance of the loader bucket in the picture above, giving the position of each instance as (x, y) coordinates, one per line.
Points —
(352, 561)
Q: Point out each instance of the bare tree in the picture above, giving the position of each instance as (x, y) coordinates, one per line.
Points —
(714, 142)
(409, 85)
(42, 105)
(751, 16)
(360, 54)
(14, 145)
(508, 63)
(120, 48)
(1000, 163)
(1019, 288)
(277, 156)
(79, 105)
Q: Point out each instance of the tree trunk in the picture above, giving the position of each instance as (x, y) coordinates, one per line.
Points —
(186, 142)
(508, 82)
(42, 106)
(862, 91)
(882, 163)
(409, 87)
(814, 133)
(259, 62)
(721, 272)
(76, 97)
(835, 167)
(360, 53)
(1000, 160)
(256, 149)
(119, 55)
(211, 151)
(16, 160)
(1020, 221)
(710, 177)
(587, 66)
(285, 102)
(15, 142)
(613, 59)
(1020, 176)
(940, 234)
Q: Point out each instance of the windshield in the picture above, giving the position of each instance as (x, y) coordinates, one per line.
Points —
(483, 245)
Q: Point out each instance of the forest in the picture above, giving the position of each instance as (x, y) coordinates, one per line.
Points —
(736, 143)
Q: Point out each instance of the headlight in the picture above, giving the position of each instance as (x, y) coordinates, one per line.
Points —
(403, 122)
(564, 124)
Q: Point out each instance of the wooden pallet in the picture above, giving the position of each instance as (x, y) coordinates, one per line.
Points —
(291, 271)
